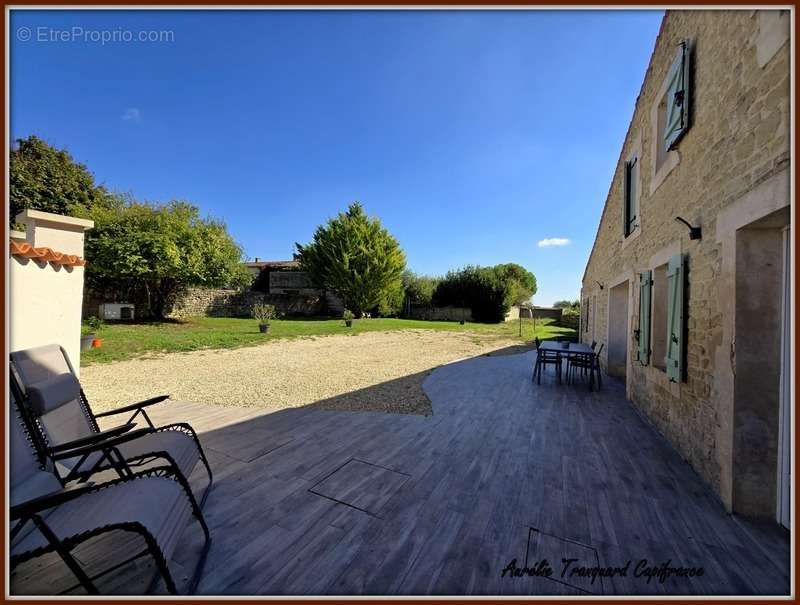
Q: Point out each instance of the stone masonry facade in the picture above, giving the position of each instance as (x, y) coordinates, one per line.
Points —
(738, 139)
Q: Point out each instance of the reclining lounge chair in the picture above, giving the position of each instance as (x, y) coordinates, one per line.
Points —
(45, 517)
(59, 417)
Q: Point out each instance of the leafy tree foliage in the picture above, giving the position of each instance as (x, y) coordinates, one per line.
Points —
(521, 282)
(49, 179)
(488, 291)
(566, 304)
(570, 317)
(149, 253)
(356, 258)
(419, 288)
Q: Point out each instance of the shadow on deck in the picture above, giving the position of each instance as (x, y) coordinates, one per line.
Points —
(505, 474)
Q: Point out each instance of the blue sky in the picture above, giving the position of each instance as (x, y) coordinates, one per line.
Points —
(473, 135)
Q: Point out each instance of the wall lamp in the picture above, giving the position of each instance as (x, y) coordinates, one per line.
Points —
(694, 232)
(599, 284)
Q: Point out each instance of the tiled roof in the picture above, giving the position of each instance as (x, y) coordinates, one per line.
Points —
(25, 250)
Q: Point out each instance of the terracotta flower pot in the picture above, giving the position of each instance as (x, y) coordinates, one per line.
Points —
(97, 343)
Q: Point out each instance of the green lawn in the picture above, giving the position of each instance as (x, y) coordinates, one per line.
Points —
(125, 341)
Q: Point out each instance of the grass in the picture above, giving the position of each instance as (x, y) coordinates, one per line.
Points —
(130, 340)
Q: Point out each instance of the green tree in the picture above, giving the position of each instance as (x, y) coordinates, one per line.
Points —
(521, 282)
(42, 177)
(149, 253)
(353, 256)
(419, 288)
(479, 288)
(566, 304)
(489, 292)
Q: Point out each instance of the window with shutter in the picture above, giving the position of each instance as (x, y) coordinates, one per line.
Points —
(675, 306)
(645, 286)
(677, 98)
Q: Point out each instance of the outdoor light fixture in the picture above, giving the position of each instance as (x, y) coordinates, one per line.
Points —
(694, 232)
(599, 284)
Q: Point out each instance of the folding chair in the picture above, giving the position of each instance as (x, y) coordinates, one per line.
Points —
(62, 420)
(46, 517)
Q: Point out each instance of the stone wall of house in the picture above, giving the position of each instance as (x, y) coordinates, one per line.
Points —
(439, 313)
(738, 141)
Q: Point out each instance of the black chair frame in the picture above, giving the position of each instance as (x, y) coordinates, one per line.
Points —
(103, 441)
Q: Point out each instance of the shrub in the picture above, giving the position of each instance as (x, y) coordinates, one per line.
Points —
(570, 317)
(150, 253)
(479, 288)
(347, 315)
(263, 313)
(419, 289)
(92, 325)
(564, 304)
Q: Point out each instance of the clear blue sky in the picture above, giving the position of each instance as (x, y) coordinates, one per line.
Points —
(472, 135)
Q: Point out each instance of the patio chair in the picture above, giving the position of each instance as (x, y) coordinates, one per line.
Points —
(61, 419)
(45, 517)
(545, 358)
(586, 363)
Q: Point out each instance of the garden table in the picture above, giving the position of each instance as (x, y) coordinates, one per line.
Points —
(570, 349)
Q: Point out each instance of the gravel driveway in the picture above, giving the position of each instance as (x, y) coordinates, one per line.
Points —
(375, 371)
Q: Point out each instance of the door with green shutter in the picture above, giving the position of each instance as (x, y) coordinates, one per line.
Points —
(645, 289)
(675, 312)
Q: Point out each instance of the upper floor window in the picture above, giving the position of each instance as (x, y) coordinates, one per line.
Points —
(670, 115)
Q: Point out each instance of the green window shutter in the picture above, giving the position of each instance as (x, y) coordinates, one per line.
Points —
(677, 98)
(645, 288)
(629, 217)
(626, 204)
(675, 306)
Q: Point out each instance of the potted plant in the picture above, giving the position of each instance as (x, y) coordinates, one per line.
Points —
(263, 313)
(348, 316)
(89, 333)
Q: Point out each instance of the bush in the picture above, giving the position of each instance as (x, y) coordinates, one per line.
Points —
(150, 253)
(565, 304)
(263, 313)
(479, 288)
(92, 325)
(419, 289)
(570, 317)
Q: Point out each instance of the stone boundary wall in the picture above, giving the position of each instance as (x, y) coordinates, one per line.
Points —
(547, 313)
(439, 313)
(210, 302)
(537, 313)
(199, 302)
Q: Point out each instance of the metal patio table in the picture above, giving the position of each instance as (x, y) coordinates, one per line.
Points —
(570, 349)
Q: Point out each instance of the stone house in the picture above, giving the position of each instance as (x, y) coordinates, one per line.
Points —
(688, 283)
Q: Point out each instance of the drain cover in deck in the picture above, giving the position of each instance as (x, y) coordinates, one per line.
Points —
(556, 550)
(362, 485)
